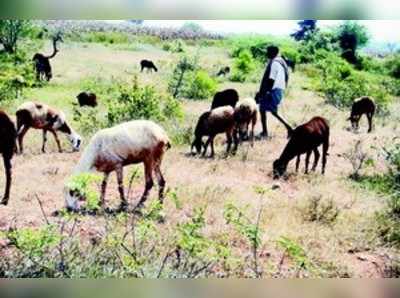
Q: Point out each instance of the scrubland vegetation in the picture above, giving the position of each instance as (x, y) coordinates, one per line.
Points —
(224, 217)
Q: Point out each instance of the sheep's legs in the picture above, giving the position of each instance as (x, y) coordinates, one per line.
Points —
(120, 178)
(325, 148)
(149, 184)
(57, 140)
(44, 141)
(21, 135)
(103, 189)
(161, 183)
(369, 116)
(206, 146)
(7, 166)
(229, 142)
(297, 163)
(308, 154)
(316, 159)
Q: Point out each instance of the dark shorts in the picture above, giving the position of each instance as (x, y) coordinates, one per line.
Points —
(271, 100)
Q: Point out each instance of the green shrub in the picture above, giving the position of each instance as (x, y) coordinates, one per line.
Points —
(200, 85)
(392, 63)
(176, 46)
(136, 102)
(243, 66)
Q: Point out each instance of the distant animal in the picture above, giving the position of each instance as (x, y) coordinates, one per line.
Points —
(42, 62)
(245, 113)
(111, 149)
(305, 138)
(8, 135)
(224, 71)
(363, 105)
(87, 99)
(211, 123)
(41, 116)
(148, 64)
(228, 97)
(290, 63)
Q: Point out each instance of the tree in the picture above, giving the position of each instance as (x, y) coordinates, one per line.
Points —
(351, 36)
(11, 31)
(307, 28)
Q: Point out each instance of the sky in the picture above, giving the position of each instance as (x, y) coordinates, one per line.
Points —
(380, 30)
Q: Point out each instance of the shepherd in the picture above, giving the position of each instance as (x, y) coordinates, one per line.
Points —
(273, 84)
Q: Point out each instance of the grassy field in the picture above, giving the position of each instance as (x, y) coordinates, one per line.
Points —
(340, 241)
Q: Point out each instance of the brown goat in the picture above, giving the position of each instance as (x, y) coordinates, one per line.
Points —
(363, 105)
(87, 99)
(211, 123)
(41, 116)
(8, 135)
(305, 138)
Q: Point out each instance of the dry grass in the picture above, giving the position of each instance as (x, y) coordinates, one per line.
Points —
(215, 182)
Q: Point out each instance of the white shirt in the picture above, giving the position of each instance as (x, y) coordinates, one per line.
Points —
(278, 75)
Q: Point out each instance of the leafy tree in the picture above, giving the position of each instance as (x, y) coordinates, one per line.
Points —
(307, 28)
(11, 31)
(351, 36)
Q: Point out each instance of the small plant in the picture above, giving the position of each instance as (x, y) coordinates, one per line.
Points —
(177, 81)
(357, 158)
(243, 66)
(296, 253)
(318, 210)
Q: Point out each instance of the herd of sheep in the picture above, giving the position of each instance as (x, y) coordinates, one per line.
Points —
(143, 141)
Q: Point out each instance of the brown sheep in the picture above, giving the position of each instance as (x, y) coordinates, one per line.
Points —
(363, 105)
(305, 138)
(8, 135)
(211, 123)
(41, 116)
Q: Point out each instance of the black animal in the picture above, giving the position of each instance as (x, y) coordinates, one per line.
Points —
(42, 62)
(363, 105)
(290, 63)
(148, 64)
(8, 136)
(224, 71)
(228, 97)
(87, 99)
(305, 138)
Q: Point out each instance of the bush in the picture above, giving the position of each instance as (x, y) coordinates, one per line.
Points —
(136, 102)
(243, 66)
(200, 86)
(176, 46)
(393, 65)
(316, 209)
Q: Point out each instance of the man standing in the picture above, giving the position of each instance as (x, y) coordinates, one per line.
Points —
(272, 88)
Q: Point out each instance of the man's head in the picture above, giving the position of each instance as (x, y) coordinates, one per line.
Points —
(272, 52)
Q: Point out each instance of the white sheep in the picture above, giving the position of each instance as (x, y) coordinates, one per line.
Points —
(41, 116)
(113, 148)
(246, 113)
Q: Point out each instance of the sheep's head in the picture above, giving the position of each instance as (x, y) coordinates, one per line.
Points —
(279, 169)
(75, 140)
(354, 120)
(197, 143)
(72, 198)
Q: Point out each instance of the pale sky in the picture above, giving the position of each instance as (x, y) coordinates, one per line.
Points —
(380, 30)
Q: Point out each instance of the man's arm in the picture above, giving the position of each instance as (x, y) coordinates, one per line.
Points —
(267, 82)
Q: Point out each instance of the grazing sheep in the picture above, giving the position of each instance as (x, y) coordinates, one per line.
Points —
(42, 62)
(305, 138)
(246, 112)
(228, 97)
(41, 116)
(224, 71)
(8, 135)
(363, 105)
(113, 148)
(87, 99)
(211, 123)
(147, 64)
(290, 63)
